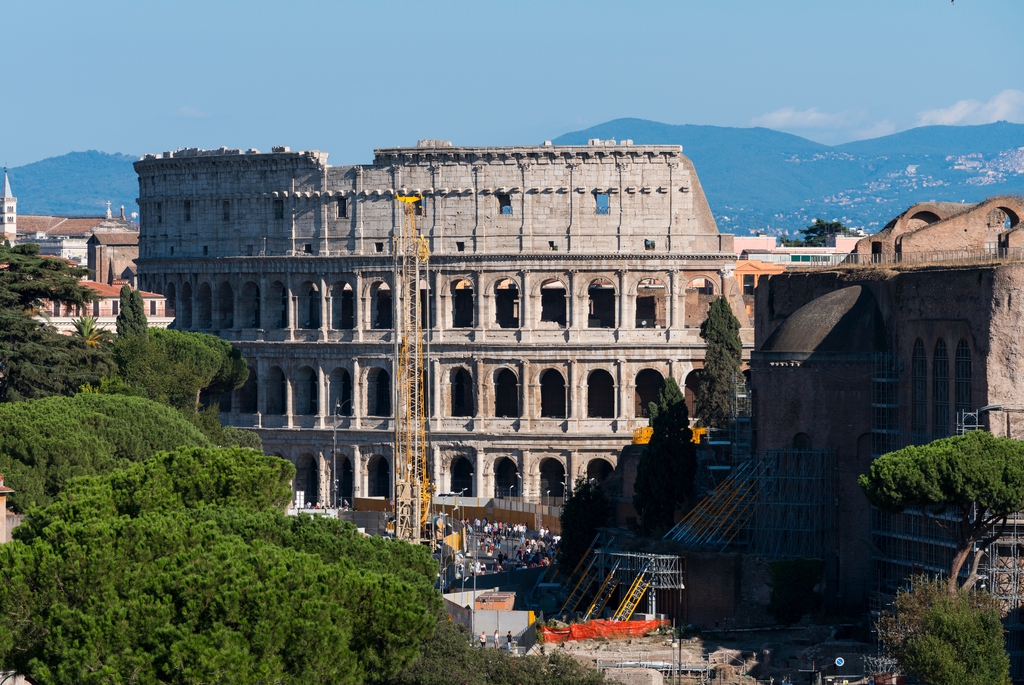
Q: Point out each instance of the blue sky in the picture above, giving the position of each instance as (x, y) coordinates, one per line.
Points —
(346, 77)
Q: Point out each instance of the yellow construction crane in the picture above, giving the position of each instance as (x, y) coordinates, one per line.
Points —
(413, 489)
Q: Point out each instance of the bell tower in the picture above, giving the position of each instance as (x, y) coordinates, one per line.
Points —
(9, 211)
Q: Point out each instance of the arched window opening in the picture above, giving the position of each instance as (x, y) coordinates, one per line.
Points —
(598, 470)
(506, 394)
(462, 393)
(700, 292)
(278, 305)
(462, 304)
(690, 391)
(340, 393)
(506, 303)
(248, 394)
(225, 306)
(378, 393)
(309, 307)
(600, 395)
(307, 479)
(963, 378)
(601, 294)
(343, 309)
(648, 384)
(801, 441)
(940, 391)
(919, 390)
(249, 305)
(275, 391)
(462, 477)
(380, 294)
(650, 304)
(506, 478)
(186, 308)
(552, 302)
(205, 306)
(552, 395)
(379, 474)
(306, 392)
(426, 308)
(552, 478)
(346, 482)
(170, 306)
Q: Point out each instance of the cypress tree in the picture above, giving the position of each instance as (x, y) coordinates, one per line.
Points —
(722, 363)
(132, 318)
(665, 473)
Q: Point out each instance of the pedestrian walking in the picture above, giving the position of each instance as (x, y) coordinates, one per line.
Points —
(508, 641)
(483, 639)
(496, 639)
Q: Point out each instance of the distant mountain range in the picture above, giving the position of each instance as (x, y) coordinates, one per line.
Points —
(755, 178)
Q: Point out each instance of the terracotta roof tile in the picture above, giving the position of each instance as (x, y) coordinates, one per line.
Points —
(104, 290)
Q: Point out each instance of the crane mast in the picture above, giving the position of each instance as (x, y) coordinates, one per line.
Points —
(413, 489)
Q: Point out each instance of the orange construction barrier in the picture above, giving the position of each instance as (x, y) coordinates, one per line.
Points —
(599, 628)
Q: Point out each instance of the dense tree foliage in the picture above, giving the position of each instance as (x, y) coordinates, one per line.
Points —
(447, 658)
(44, 443)
(36, 361)
(586, 509)
(976, 477)
(667, 467)
(183, 569)
(722, 365)
(946, 638)
(816, 235)
(132, 318)
(174, 367)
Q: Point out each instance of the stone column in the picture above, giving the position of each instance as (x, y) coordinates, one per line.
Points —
(322, 397)
(325, 309)
(622, 383)
(358, 307)
(480, 478)
(264, 291)
(358, 473)
(288, 400)
(435, 389)
(525, 307)
(625, 321)
(526, 402)
(674, 316)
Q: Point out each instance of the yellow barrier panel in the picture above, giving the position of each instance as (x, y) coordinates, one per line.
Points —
(642, 436)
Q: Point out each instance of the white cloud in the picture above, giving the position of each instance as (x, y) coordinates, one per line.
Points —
(788, 117)
(877, 130)
(188, 112)
(1007, 105)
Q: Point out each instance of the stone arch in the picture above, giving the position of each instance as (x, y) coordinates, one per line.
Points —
(306, 392)
(463, 301)
(276, 389)
(600, 395)
(171, 303)
(346, 480)
(922, 218)
(506, 394)
(249, 305)
(378, 476)
(700, 292)
(599, 469)
(552, 477)
(248, 394)
(462, 477)
(506, 303)
(552, 394)
(601, 304)
(309, 305)
(378, 392)
(381, 309)
(690, 386)
(307, 478)
(186, 307)
(340, 392)
(1012, 218)
(277, 305)
(343, 306)
(802, 441)
(507, 480)
(225, 309)
(204, 300)
(651, 303)
(461, 392)
(553, 301)
(649, 383)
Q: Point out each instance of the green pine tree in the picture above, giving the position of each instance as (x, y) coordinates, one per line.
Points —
(132, 318)
(665, 474)
(722, 364)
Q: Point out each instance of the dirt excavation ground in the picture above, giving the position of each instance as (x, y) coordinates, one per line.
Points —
(785, 655)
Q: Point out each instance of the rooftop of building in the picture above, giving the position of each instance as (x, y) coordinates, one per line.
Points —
(30, 225)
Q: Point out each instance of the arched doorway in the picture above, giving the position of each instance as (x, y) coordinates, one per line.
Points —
(378, 473)
(462, 304)
(346, 480)
(462, 477)
(307, 478)
(306, 387)
(552, 395)
(506, 478)
(378, 393)
(275, 391)
(225, 306)
(249, 305)
(601, 296)
(552, 478)
(600, 395)
(598, 470)
(462, 393)
(506, 394)
(648, 384)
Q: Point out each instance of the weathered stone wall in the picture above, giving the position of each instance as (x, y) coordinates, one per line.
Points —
(289, 258)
